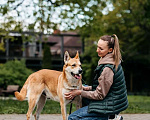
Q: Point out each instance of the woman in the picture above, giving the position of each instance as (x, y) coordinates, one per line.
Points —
(108, 94)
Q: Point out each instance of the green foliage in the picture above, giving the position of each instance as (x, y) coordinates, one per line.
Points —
(72, 13)
(46, 63)
(130, 21)
(13, 73)
(89, 63)
(2, 47)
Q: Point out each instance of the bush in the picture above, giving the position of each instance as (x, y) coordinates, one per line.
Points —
(46, 63)
(14, 73)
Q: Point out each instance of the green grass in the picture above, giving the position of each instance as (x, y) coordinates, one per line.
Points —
(137, 104)
(21, 107)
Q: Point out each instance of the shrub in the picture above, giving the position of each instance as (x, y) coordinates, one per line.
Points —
(46, 63)
(14, 73)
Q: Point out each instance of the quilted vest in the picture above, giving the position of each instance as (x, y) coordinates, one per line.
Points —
(116, 99)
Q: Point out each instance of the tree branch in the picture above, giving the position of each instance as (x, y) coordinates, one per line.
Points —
(18, 5)
(56, 3)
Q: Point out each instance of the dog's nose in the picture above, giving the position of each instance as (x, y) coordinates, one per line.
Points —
(80, 71)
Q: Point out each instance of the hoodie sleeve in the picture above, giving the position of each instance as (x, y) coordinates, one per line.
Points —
(105, 82)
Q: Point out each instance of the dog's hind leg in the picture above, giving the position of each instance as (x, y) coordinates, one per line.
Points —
(32, 103)
(34, 94)
(40, 106)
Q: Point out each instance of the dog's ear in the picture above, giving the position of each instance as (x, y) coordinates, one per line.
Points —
(66, 57)
(77, 55)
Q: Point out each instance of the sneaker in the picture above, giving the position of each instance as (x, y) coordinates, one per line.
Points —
(118, 117)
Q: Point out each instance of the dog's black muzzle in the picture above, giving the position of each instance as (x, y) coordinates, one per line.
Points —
(80, 71)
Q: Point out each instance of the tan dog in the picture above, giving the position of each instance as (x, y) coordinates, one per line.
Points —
(54, 84)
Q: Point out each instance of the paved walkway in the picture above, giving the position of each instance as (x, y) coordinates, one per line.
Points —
(58, 117)
(136, 116)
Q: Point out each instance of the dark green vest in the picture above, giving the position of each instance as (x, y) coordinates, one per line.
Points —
(116, 99)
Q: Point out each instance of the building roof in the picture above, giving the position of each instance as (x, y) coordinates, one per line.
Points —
(71, 43)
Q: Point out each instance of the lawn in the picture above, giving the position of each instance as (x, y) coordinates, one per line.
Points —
(137, 104)
(20, 107)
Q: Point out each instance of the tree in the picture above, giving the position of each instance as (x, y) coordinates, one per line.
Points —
(45, 15)
(130, 20)
(2, 46)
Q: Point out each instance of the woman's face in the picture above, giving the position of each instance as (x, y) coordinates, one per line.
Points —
(102, 48)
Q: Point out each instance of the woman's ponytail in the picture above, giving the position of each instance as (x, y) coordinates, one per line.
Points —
(116, 51)
(113, 42)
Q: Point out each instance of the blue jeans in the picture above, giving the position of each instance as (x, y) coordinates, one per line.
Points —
(82, 114)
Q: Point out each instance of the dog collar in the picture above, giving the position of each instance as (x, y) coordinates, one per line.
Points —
(75, 87)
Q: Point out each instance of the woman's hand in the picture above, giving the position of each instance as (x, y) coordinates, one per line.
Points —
(70, 95)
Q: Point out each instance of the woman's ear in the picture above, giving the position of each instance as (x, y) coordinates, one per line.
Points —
(110, 50)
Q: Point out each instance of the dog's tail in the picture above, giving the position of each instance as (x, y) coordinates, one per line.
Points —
(23, 92)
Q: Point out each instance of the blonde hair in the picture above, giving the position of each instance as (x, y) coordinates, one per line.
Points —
(113, 42)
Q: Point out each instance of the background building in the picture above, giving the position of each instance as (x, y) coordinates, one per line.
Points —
(30, 47)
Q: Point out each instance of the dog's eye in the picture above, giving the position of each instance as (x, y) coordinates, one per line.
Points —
(73, 65)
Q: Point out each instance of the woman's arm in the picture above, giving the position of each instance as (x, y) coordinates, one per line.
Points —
(105, 82)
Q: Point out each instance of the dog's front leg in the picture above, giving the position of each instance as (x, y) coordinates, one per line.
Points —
(78, 102)
(63, 109)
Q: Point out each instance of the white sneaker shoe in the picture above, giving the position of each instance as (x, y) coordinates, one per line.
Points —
(118, 117)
